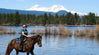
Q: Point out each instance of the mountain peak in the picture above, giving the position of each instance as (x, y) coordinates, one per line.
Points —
(36, 5)
(54, 8)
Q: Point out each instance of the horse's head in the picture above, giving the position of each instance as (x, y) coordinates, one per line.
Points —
(37, 39)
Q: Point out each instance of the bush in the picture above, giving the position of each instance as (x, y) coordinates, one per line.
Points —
(97, 31)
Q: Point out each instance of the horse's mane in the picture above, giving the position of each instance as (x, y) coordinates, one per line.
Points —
(33, 37)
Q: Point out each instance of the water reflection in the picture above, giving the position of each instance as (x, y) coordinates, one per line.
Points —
(58, 45)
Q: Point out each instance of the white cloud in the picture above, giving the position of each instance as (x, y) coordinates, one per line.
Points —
(54, 8)
(20, 0)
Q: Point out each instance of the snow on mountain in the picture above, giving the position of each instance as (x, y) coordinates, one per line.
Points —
(54, 8)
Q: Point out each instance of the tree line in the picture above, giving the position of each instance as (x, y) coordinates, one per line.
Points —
(68, 19)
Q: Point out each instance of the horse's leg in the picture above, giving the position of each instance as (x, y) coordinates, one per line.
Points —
(9, 51)
(17, 52)
(9, 48)
(32, 52)
(27, 53)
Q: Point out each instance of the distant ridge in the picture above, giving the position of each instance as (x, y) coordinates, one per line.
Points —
(8, 11)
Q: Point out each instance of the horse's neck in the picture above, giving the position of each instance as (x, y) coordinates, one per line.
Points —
(34, 42)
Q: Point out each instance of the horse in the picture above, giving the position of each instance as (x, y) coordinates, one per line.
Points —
(28, 46)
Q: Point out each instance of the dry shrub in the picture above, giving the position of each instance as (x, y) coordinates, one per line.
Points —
(10, 31)
(46, 25)
(43, 31)
(7, 30)
(47, 30)
(61, 29)
(68, 32)
(91, 33)
(82, 32)
(19, 30)
(97, 31)
(56, 31)
(86, 30)
(2, 30)
(33, 31)
(76, 32)
(38, 31)
(53, 31)
(64, 31)
(61, 25)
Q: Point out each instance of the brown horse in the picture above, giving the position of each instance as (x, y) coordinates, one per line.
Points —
(28, 46)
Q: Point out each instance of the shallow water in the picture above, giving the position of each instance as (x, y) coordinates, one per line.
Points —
(57, 45)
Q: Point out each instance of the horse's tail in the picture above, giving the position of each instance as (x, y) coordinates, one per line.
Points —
(9, 48)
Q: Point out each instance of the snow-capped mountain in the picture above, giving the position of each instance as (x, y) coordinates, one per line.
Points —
(38, 10)
(54, 8)
(9, 11)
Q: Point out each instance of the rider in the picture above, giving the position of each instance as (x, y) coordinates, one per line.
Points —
(24, 33)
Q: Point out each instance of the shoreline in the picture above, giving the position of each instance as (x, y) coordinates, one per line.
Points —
(49, 25)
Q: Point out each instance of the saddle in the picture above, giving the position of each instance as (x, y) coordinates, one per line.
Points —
(19, 41)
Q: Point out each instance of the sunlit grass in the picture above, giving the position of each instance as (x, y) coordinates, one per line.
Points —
(64, 31)
(19, 30)
(7, 30)
(97, 31)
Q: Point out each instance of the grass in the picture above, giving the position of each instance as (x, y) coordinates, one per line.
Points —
(6, 30)
(64, 31)
(97, 31)
(91, 33)
(55, 31)
(2, 30)
(19, 30)
(76, 32)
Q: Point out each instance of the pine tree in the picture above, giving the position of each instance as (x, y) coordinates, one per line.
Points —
(45, 19)
(76, 18)
(16, 18)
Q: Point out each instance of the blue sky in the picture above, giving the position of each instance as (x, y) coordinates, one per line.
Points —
(83, 6)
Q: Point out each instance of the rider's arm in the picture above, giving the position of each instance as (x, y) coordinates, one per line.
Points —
(24, 34)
